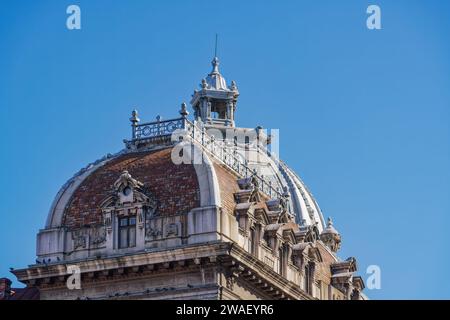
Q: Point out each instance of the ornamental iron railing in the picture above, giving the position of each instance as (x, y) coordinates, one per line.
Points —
(228, 155)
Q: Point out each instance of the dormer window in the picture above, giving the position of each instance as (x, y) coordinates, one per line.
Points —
(127, 232)
(125, 212)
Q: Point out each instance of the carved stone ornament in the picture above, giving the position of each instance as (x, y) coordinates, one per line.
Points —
(129, 197)
(152, 233)
(98, 236)
(231, 280)
(128, 191)
(172, 230)
(79, 239)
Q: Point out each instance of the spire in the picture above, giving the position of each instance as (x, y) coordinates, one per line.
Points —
(215, 49)
(215, 62)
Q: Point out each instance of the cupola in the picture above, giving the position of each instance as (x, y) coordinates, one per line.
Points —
(331, 237)
(215, 103)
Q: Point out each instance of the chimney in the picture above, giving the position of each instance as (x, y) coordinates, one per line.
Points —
(5, 288)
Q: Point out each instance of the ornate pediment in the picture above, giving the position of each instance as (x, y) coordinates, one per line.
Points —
(126, 180)
(127, 190)
(128, 196)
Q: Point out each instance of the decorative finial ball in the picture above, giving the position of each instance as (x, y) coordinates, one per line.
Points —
(158, 118)
(183, 110)
(204, 84)
(330, 221)
(134, 116)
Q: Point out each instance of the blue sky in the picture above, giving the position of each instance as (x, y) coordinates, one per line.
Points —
(363, 115)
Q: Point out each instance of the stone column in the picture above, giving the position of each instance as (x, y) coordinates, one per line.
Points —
(140, 228)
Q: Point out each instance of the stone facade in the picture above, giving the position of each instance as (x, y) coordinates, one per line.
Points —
(238, 224)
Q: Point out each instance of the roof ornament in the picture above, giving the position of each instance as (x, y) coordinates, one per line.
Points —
(134, 123)
(204, 84)
(183, 112)
(134, 116)
(233, 86)
(331, 237)
(215, 63)
(329, 222)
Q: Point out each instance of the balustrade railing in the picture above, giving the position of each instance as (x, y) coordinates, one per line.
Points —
(158, 128)
(218, 149)
(230, 157)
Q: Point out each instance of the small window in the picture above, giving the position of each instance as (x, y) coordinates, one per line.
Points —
(309, 278)
(283, 253)
(254, 241)
(127, 232)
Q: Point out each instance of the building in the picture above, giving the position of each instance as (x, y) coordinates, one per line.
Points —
(191, 209)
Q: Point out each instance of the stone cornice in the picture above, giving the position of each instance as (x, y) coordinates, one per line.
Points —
(224, 254)
(256, 271)
(193, 252)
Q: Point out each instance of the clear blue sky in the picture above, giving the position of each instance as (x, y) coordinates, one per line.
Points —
(363, 115)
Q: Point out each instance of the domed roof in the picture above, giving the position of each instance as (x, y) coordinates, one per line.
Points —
(185, 187)
(176, 187)
(214, 80)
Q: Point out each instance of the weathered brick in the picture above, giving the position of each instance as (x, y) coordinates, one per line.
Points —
(174, 186)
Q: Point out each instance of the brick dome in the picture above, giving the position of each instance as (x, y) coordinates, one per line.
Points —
(174, 186)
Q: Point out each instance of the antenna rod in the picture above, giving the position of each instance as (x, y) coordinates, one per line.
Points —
(215, 50)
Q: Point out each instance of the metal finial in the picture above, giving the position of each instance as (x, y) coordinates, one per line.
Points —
(215, 63)
(183, 111)
(330, 222)
(134, 116)
(134, 123)
(204, 83)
